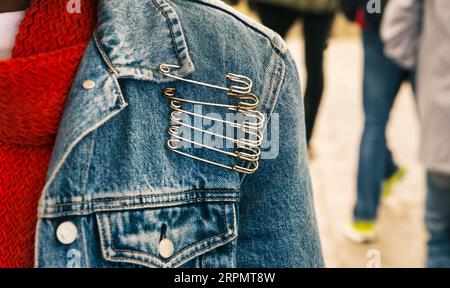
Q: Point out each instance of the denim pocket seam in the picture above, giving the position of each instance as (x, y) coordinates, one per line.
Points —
(194, 253)
(120, 207)
(86, 207)
(149, 260)
(225, 228)
(131, 197)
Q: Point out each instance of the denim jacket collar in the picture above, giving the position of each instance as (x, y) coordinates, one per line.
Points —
(131, 40)
(135, 37)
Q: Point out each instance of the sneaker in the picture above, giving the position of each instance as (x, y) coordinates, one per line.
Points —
(361, 232)
(389, 183)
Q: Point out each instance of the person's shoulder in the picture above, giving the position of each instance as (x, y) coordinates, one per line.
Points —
(214, 14)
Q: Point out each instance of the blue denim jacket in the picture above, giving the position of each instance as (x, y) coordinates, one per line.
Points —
(114, 191)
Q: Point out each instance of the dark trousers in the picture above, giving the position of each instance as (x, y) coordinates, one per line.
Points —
(316, 30)
(437, 219)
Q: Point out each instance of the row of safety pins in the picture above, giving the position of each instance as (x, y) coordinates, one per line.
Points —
(247, 148)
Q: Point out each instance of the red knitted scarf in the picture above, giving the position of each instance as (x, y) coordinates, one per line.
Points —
(33, 89)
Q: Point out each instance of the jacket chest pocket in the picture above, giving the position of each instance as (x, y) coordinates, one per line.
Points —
(169, 236)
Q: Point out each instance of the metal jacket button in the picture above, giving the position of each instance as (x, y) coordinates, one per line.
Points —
(88, 84)
(66, 232)
(166, 248)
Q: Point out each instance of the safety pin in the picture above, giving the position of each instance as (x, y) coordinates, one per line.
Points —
(241, 142)
(247, 106)
(248, 125)
(254, 154)
(176, 104)
(246, 170)
(246, 82)
(240, 88)
(174, 131)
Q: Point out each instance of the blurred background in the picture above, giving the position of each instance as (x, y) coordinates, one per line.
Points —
(334, 152)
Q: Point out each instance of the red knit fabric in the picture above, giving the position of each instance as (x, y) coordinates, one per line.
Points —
(33, 89)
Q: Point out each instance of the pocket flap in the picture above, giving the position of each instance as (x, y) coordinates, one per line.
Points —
(136, 236)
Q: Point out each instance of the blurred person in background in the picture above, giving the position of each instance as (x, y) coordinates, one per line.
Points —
(317, 16)
(422, 28)
(377, 170)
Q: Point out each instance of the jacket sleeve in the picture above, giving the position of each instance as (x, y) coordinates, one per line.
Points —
(277, 220)
(400, 31)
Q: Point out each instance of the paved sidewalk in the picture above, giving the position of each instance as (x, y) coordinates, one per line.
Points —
(402, 237)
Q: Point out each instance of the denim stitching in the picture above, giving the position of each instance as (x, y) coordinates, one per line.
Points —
(102, 235)
(132, 197)
(205, 240)
(210, 245)
(158, 202)
(134, 207)
(209, 242)
(83, 240)
(104, 55)
(169, 24)
(88, 163)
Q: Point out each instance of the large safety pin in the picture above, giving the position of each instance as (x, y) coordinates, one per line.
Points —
(245, 88)
(247, 147)
(246, 126)
(252, 155)
(250, 102)
(246, 170)
(241, 142)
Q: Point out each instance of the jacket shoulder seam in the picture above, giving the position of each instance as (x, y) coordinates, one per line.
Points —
(275, 39)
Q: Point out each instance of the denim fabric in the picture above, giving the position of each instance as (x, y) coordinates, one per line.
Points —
(382, 81)
(437, 219)
(113, 177)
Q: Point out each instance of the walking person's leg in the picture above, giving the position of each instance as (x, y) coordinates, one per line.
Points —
(382, 80)
(393, 174)
(316, 28)
(437, 219)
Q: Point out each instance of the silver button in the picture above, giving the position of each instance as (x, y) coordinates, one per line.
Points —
(88, 84)
(67, 232)
(165, 248)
